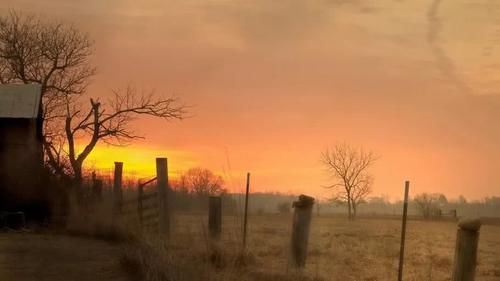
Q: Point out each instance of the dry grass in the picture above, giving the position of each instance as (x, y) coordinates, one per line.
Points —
(369, 249)
(190, 256)
(365, 249)
(339, 250)
(49, 257)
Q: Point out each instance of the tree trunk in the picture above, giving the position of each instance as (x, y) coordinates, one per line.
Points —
(349, 210)
(77, 184)
(354, 210)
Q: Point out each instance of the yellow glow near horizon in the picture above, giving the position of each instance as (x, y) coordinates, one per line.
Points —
(138, 162)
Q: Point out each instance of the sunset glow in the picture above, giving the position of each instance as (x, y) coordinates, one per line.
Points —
(138, 162)
(418, 87)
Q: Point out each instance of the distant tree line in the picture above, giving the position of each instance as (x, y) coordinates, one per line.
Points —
(193, 188)
(427, 206)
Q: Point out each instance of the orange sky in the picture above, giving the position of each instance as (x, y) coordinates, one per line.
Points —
(272, 83)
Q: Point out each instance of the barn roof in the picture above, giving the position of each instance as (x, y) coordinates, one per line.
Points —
(19, 100)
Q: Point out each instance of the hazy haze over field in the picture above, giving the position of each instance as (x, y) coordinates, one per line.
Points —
(275, 82)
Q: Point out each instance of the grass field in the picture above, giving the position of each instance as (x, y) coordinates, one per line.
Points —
(365, 249)
(49, 257)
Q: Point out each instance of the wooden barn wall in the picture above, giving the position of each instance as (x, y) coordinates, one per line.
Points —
(20, 165)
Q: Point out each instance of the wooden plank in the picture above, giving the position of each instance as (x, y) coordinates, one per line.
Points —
(148, 196)
(126, 211)
(150, 216)
(129, 201)
(147, 182)
(150, 206)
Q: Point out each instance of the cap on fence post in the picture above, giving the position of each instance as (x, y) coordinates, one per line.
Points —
(464, 268)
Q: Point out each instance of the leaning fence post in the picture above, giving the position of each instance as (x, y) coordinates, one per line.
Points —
(245, 219)
(162, 182)
(140, 192)
(215, 217)
(466, 250)
(403, 233)
(300, 230)
(117, 188)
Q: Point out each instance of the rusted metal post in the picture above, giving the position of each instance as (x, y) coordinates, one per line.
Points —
(466, 250)
(215, 217)
(403, 233)
(245, 219)
(117, 188)
(140, 192)
(162, 183)
(300, 230)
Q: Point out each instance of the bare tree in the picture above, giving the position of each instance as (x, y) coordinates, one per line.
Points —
(202, 182)
(57, 56)
(430, 205)
(348, 166)
(54, 55)
(360, 193)
(109, 123)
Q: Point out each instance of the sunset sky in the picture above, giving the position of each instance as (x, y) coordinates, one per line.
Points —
(273, 83)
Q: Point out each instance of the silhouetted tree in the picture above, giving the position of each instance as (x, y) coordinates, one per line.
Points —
(107, 122)
(202, 182)
(193, 188)
(348, 166)
(360, 193)
(57, 56)
(54, 55)
(461, 200)
(430, 205)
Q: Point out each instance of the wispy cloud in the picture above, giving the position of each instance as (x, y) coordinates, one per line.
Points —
(444, 63)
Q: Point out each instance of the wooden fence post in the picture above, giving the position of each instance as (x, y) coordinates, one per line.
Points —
(300, 230)
(96, 189)
(140, 192)
(117, 188)
(215, 217)
(466, 250)
(162, 182)
(317, 207)
(403, 233)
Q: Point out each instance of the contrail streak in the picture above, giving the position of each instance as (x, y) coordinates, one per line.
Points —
(491, 45)
(443, 61)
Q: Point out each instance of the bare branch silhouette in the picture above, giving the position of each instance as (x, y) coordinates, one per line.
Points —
(348, 166)
(110, 123)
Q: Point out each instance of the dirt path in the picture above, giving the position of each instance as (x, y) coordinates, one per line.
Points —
(55, 257)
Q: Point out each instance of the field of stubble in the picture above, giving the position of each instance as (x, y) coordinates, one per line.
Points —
(365, 249)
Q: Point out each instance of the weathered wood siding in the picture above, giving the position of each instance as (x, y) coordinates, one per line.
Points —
(21, 161)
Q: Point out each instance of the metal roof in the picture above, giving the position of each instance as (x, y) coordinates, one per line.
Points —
(19, 100)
